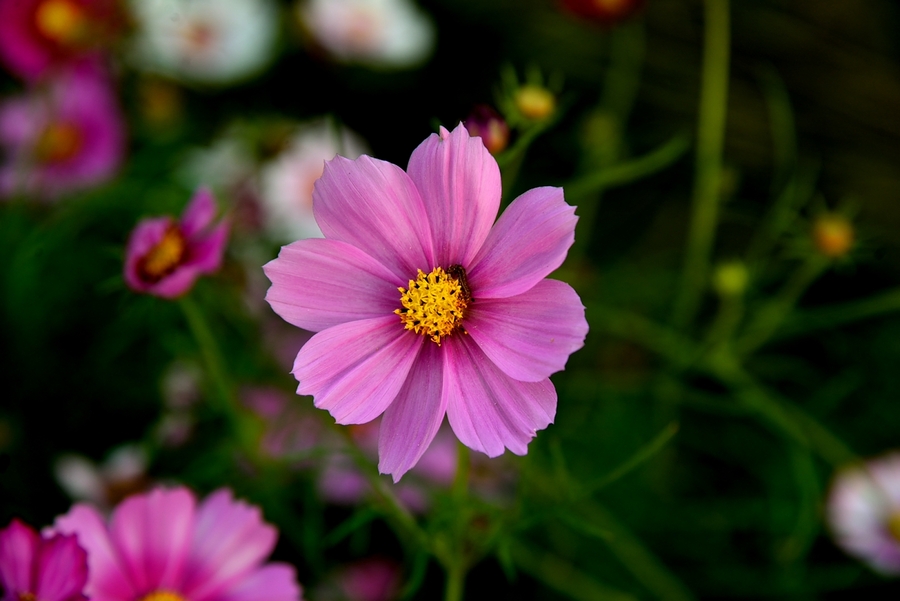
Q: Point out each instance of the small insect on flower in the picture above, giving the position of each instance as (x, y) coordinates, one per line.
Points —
(476, 329)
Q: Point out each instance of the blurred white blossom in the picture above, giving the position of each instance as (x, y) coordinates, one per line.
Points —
(378, 33)
(205, 41)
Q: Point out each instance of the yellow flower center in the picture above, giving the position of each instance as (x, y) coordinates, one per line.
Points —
(162, 260)
(57, 143)
(893, 525)
(163, 596)
(61, 21)
(434, 304)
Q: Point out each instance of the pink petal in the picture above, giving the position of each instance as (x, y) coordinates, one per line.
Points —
(273, 582)
(175, 284)
(412, 420)
(531, 335)
(152, 533)
(459, 182)
(62, 569)
(230, 540)
(317, 284)
(528, 242)
(107, 581)
(205, 251)
(355, 370)
(199, 212)
(19, 545)
(487, 409)
(374, 206)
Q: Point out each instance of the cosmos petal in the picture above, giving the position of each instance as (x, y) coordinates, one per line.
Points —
(62, 569)
(317, 284)
(356, 369)
(526, 244)
(531, 335)
(412, 420)
(375, 206)
(459, 182)
(272, 582)
(206, 250)
(488, 410)
(199, 212)
(19, 545)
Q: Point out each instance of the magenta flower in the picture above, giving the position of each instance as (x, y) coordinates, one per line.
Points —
(163, 546)
(67, 135)
(423, 306)
(44, 568)
(165, 257)
(39, 35)
(864, 512)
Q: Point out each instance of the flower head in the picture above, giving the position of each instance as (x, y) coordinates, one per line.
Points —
(424, 307)
(45, 568)
(864, 512)
(604, 12)
(37, 36)
(205, 41)
(833, 235)
(164, 257)
(488, 125)
(287, 182)
(165, 546)
(377, 33)
(62, 137)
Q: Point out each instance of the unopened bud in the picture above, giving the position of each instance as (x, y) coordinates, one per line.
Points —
(485, 123)
(833, 235)
(535, 102)
(730, 279)
(604, 12)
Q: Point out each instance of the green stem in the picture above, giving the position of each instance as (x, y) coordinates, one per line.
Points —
(772, 315)
(209, 350)
(708, 170)
(837, 315)
(456, 582)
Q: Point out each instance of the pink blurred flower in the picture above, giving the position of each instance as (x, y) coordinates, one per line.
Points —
(604, 12)
(61, 137)
(165, 257)
(864, 512)
(475, 338)
(163, 546)
(370, 579)
(45, 568)
(37, 36)
(289, 430)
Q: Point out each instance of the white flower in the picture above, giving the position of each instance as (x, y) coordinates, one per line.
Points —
(206, 41)
(864, 512)
(287, 182)
(123, 472)
(380, 33)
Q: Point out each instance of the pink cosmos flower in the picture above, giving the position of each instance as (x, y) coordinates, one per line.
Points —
(165, 257)
(62, 137)
(864, 512)
(48, 568)
(37, 36)
(423, 306)
(163, 546)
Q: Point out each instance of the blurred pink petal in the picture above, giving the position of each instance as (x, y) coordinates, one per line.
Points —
(52, 567)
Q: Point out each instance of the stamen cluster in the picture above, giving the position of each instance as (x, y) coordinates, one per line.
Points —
(434, 304)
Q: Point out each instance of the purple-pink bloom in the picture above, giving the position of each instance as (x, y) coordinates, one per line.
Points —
(164, 257)
(164, 546)
(423, 306)
(864, 512)
(37, 36)
(63, 136)
(44, 568)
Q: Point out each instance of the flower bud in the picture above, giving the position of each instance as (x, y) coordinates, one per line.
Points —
(833, 235)
(604, 12)
(730, 279)
(534, 102)
(485, 123)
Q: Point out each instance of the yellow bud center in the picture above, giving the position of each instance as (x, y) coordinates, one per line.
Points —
(61, 21)
(833, 235)
(163, 596)
(160, 261)
(57, 143)
(535, 102)
(434, 304)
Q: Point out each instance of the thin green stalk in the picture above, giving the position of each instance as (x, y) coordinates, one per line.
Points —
(708, 170)
(456, 582)
(804, 323)
(770, 317)
(212, 357)
(623, 76)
